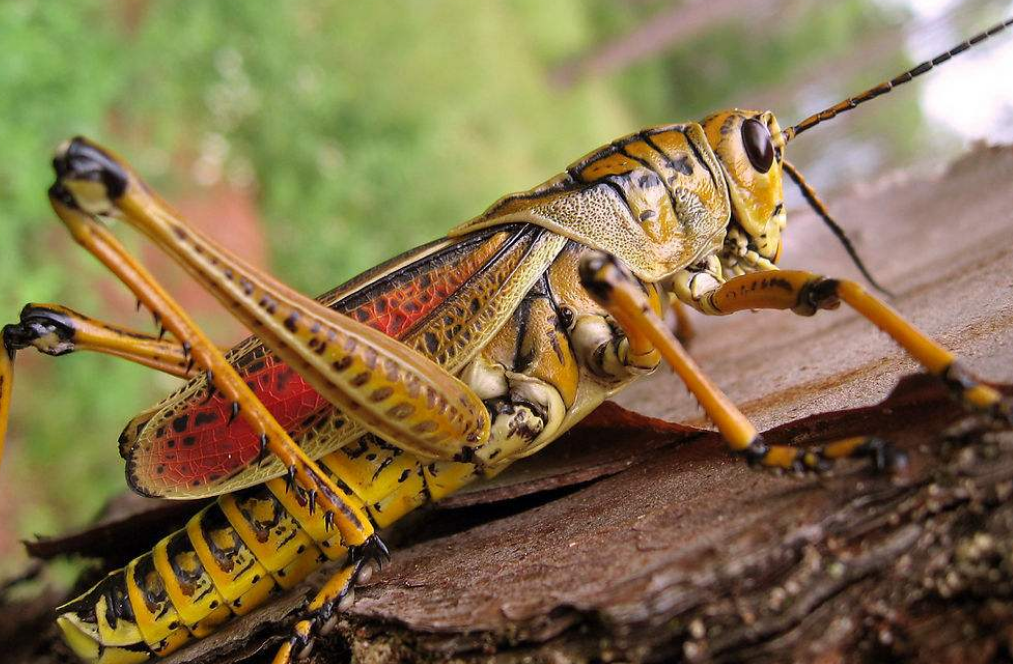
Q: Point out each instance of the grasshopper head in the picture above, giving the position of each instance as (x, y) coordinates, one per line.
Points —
(749, 147)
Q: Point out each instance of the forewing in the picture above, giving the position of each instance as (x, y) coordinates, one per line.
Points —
(444, 299)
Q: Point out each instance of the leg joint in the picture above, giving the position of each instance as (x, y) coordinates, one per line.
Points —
(756, 451)
(957, 378)
(820, 293)
(50, 331)
(79, 161)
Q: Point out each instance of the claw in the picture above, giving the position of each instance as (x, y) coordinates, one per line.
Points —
(372, 551)
(49, 331)
(210, 379)
(262, 455)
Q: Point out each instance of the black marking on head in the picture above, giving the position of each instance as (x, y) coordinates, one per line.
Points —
(726, 126)
(700, 159)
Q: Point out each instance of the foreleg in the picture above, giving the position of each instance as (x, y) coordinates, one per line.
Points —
(618, 292)
(806, 293)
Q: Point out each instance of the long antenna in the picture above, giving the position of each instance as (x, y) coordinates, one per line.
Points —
(809, 194)
(887, 86)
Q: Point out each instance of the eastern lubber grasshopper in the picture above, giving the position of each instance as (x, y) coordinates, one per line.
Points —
(436, 368)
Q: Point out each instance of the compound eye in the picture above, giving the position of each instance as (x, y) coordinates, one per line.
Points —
(759, 149)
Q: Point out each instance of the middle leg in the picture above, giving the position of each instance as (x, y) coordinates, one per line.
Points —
(57, 330)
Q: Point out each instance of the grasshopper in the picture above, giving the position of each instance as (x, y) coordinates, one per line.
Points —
(440, 367)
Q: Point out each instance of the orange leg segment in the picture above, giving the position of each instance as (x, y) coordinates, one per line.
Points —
(6, 385)
(614, 288)
(56, 330)
(806, 293)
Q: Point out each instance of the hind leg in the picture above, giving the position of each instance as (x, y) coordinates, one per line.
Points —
(96, 238)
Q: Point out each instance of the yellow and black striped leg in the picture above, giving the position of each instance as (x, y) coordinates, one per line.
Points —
(321, 613)
(615, 289)
(806, 293)
(56, 330)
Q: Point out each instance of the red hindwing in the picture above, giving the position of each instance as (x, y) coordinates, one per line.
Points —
(188, 442)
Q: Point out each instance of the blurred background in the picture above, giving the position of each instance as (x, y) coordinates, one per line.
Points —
(318, 138)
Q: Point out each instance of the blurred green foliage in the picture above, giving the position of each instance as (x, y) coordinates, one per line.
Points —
(363, 131)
